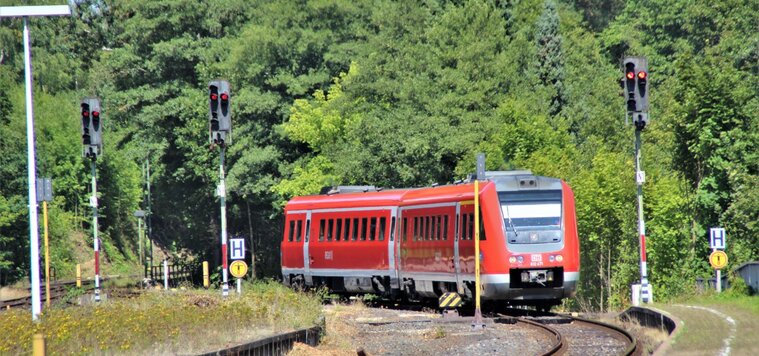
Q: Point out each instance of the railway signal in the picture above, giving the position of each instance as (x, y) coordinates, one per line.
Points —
(220, 134)
(219, 114)
(92, 137)
(92, 140)
(635, 86)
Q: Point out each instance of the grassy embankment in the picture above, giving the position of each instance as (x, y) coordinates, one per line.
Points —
(161, 322)
(704, 332)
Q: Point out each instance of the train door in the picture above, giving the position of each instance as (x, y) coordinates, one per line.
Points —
(306, 256)
(465, 235)
(456, 261)
(395, 246)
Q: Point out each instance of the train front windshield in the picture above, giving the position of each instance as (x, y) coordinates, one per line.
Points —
(532, 217)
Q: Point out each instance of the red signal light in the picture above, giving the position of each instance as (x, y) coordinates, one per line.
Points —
(224, 96)
(96, 114)
(86, 113)
(214, 96)
(630, 75)
(642, 75)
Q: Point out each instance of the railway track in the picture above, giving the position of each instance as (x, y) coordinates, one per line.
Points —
(579, 336)
(60, 290)
(402, 328)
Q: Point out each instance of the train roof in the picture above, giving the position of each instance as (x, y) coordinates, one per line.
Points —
(392, 197)
(362, 196)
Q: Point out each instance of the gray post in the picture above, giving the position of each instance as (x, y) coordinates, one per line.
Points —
(719, 276)
(165, 275)
(644, 286)
(222, 198)
(25, 12)
(139, 240)
(96, 242)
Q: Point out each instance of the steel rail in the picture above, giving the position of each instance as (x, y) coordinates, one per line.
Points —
(558, 347)
(632, 342)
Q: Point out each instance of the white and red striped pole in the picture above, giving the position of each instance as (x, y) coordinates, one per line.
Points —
(222, 197)
(645, 288)
(96, 242)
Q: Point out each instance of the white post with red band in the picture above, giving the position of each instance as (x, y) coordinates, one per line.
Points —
(645, 289)
(222, 197)
(96, 243)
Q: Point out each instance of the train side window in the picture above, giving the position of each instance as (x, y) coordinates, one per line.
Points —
(382, 222)
(392, 229)
(330, 229)
(322, 225)
(292, 230)
(415, 237)
(464, 227)
(433, 228)
(372, 228)
(445, 227)
(404, 226)
(354, 230)
(298, 230)
(482, 228)
(440, 227)
(364, 226)
(439, 224)
(421, 229)
(471, 226)
(426, 229)
(338, 229)
(348, 230)
(346, 235)
(456, 233)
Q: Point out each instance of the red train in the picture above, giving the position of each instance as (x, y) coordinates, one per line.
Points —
(420, 242)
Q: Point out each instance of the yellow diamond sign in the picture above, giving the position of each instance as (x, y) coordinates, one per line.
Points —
(718, 259)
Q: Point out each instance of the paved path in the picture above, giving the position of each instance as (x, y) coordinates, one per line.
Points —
(725, 351)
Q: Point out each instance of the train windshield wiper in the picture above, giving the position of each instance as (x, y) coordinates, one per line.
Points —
(511, 223)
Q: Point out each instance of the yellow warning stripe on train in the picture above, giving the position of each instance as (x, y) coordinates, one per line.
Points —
(450, 300)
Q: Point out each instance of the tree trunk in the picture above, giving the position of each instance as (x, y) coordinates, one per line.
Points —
(252, 247)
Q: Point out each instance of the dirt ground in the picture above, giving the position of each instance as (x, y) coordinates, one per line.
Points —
(375, 331)
(12, 293)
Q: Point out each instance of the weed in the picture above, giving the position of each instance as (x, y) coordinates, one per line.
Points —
(171, 322)
(436, 333)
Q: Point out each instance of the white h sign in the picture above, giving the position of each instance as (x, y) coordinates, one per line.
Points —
(717, 238)
(237, 250)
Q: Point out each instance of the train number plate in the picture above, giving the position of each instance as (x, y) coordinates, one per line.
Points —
(327, 255)
(536, 260)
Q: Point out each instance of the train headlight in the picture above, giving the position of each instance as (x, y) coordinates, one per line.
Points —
(520, 259)
(525, 277)
(551, 258)
(549, 276)
(512, 259)
(559, 258)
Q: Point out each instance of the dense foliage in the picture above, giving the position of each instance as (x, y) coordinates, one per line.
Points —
(393, 94)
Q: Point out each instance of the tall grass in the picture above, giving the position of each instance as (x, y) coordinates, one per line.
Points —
(162, 322)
